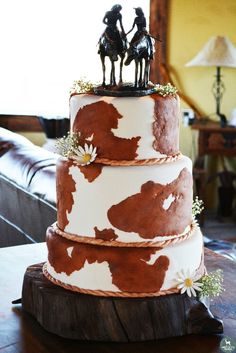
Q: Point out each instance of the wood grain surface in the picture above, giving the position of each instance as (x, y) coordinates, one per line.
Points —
(88, 317)
(17, 123)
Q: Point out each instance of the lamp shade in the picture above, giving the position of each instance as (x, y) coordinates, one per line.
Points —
(218, 51)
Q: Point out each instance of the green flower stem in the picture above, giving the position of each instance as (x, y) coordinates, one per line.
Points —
(81, 86)
(165, 90)
(67, 144)
(197, 207)
(212, 284)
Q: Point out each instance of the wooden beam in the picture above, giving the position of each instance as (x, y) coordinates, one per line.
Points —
(158, 28)
(23, 123)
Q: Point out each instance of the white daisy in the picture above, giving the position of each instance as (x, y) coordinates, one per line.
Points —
(86, 155)
(187, 283)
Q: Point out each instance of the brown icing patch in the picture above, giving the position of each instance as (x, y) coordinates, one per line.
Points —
(65, 186)
(144, 214)
(99, 119)
(166, 125)
(91, 171)
(105, 234)
(128, 266)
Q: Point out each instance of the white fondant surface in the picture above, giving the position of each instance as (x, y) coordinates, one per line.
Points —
(183, 255)
(137, 119)
(69, 250)
(93, 200)
(91, 276)
(168, 201)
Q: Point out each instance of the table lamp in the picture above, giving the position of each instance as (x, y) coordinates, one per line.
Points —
(218, 52)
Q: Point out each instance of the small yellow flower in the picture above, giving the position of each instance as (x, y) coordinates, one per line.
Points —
(85, 155)
(187, 283)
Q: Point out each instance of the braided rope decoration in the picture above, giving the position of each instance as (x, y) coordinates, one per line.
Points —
(102, 293)
(138, 162)
(115, 243)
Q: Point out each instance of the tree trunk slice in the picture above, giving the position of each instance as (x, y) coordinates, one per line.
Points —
(85, 317)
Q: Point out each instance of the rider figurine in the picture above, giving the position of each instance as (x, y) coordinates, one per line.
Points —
(113, 34)
(140, 22)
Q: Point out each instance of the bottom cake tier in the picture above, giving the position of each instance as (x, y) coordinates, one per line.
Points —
(122, 271)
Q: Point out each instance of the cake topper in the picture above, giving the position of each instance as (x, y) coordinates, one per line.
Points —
(113, 43)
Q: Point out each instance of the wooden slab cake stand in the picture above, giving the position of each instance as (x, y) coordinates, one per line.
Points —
(87, 317)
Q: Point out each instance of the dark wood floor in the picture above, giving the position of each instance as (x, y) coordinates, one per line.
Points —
(222, 228)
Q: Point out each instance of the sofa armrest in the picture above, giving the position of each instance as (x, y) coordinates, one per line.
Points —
(27, 189)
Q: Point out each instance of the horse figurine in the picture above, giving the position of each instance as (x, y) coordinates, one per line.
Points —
(141, 48)
(107, 48)
(141, 51)
(112, 43)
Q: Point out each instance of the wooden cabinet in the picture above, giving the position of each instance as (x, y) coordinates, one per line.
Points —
(215, 140)
(212, 140)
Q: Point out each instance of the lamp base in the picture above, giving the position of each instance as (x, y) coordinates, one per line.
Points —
(223, 119)
(217, 117)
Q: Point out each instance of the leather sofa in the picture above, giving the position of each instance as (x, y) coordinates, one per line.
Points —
(27, 190)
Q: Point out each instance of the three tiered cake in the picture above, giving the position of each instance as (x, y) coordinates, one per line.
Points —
(125, 245)
(125, 225)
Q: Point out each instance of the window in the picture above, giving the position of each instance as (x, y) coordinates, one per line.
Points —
(46, 45)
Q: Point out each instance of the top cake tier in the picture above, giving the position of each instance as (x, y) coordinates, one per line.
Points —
(127, 128)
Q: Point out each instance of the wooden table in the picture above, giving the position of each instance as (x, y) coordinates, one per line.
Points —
(20, 333)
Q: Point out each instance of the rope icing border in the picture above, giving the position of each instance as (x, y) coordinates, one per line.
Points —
(103, 293)
(138, 162)
(115, 243)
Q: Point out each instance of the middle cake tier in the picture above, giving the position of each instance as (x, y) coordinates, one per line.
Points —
(125, 203)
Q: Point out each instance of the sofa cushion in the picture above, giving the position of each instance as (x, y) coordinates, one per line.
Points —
(43, 184)
(9, 139)
(21, 164)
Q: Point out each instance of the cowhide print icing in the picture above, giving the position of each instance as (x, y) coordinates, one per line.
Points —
(166, 124)
(64, 194)
(105, 234)
(143, 213)
(127, 265)
(96, 121)
(91, 171)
